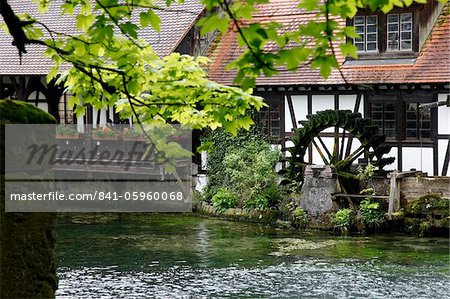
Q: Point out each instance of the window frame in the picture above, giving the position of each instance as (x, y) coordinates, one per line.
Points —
(364, 40)
(382, 32)
(401, 100)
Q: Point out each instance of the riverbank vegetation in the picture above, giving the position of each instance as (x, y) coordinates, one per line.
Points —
(243, 185)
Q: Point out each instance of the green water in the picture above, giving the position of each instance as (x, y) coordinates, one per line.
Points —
(176, 256)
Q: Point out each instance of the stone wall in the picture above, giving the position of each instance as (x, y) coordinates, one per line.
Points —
(415, 187)
(251, 215)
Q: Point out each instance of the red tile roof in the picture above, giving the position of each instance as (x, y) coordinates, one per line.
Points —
(431, 66)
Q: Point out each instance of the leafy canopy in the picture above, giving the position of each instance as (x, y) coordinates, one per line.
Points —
(112, 66)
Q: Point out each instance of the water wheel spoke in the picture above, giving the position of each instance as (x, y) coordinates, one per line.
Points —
(354, 155)
(320, 153)
(347, 126)
(335, 156)
(341, 151)
(324, 146)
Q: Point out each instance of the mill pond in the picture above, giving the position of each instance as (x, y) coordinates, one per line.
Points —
(185, 256)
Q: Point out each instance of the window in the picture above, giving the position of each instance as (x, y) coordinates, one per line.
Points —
(270, 119)
(399, 32)
(400, 117)
(367, 28)
(418, 122)
(383, 115)
(65, 112)
(394, 34)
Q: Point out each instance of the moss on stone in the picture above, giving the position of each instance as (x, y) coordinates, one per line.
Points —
(28, 268)
(19, 112)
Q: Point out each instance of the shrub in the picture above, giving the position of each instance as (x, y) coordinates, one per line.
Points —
(260, 203)
(224, 199)
(300, 217)
(343, 219)
(245, 167)
(371, 213)
(249, 170)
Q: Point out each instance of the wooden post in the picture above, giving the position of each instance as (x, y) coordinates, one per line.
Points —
(394, 194)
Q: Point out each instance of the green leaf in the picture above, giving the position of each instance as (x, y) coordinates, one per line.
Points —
(52, 73)
(150, 17)
(206, 147)
(43, 6)
(213, 22)
(309, 5)
(83, 22)
(80, 110)
(133, 87)
(130, 29)
(349, 49)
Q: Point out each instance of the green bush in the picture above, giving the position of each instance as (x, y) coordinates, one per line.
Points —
(224, 199)
(343, 219)
(371, 213)
(244, 165)
(219, 144)
(249, 170)
(260, 203)
(300, 217)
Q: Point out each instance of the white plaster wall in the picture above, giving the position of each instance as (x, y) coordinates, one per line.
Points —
(300, 104)
(443, 116)
(323, 102)
(392, 153)
(442, 148)
(418, 158)
(329, 142)
(347, 102)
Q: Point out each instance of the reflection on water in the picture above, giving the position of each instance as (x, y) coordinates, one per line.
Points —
(184, 256)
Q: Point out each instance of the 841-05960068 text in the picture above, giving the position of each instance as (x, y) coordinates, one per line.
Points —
(101, 196)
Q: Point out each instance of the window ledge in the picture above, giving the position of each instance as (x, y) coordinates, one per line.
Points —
(379, 61)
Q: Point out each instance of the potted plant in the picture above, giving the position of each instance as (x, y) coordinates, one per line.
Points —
(66, 132)
(105, 133)
(133, 135)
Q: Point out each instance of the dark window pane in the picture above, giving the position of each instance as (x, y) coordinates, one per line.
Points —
(406, 17)
(390, 133)
(425, 124)
(406, 26)
(425, 133)
(406, 35)
(371, 20)
(371, 28)
(393, 18)
(393, 36)
(411, 133)
(405, 45)
(392, 46)
(371, 37)
(411, 124)
(377, 115)
(359, 20)
(371, 46)
(359, 29)
(393, 27)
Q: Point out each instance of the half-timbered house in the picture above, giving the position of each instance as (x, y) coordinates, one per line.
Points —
(404, 62)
